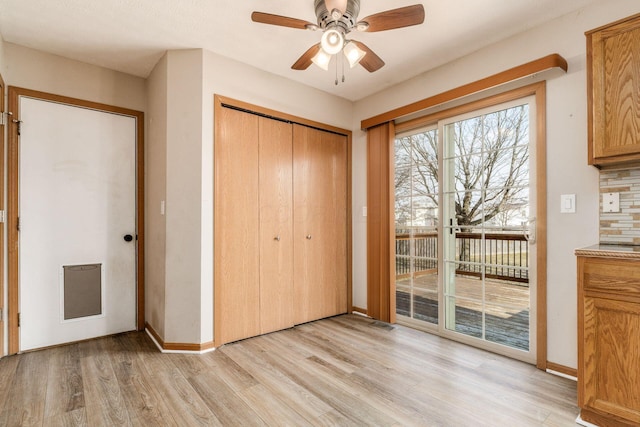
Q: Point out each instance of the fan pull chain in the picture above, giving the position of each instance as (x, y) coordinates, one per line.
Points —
(336, 71)
(342, 62)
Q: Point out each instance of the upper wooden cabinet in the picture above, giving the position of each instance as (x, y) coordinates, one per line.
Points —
(613, 79)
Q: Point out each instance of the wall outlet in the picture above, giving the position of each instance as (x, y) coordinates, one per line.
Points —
(610, 202)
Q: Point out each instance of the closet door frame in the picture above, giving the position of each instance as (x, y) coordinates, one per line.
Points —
(221, 102)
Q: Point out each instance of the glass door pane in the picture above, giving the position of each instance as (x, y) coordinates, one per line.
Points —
(486, 207)
(416, 222)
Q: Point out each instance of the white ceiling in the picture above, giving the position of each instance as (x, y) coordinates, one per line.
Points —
(131, 35)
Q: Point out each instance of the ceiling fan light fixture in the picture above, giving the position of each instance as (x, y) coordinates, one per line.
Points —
(353, 53)
(322, 59)
(332, 41)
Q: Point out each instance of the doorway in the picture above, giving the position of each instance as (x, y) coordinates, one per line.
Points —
(75, 220)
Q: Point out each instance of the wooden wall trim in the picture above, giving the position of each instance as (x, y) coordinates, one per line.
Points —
(359, 310)
(524, 70)
(178, 347)
(13, 197)
(571, 372)
(380, 223)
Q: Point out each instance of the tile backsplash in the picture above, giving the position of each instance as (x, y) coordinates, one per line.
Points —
(622, 227)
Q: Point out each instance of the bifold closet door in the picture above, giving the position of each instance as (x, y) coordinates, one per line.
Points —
(320, 223)
(276, 225)
(237, 227)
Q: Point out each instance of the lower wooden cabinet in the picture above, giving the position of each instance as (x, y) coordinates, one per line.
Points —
(609, 340)
(280, 224)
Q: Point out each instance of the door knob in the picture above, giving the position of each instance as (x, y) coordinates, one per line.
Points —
(308, 236)
(128, 237)
(277, 238)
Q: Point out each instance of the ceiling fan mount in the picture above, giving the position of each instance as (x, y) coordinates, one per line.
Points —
(344, 20)
(336, 19)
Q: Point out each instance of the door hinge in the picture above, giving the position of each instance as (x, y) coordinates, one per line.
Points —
(18, 320)
(2, 216)
(18, 224)
(1, 315)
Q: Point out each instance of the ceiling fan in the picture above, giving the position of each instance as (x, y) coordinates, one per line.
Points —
(336, 19)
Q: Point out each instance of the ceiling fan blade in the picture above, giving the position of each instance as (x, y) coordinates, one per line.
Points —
(305, 60)
(283, 21)
(394, 18)
(371, 62)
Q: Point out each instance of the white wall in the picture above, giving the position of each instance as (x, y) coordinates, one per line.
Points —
(155, 194)
(183, 321)
(568, 172)
(33, 69)
(2, 60)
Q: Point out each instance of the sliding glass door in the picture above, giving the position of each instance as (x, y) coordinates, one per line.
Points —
(465, 240)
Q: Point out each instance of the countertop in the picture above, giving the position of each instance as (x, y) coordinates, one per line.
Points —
(610, 251)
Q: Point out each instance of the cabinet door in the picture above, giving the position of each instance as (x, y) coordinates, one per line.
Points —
(236, 218)
(320, 223)
(612, 351)
(615, 89)
(276, 225)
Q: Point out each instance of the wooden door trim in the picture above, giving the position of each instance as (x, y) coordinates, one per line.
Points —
(13, 198)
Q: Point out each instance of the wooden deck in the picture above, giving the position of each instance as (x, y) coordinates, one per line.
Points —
(345, 371)
(506, 307)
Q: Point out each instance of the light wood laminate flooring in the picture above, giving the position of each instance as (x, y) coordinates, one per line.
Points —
(344, 371)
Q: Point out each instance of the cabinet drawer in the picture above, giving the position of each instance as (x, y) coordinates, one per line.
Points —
(611, 276)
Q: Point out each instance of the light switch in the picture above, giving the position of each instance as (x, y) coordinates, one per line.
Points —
(161, 207)
(364, 211)
(610, 202)
(568, 203)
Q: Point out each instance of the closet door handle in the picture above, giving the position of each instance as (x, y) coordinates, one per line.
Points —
(277, 238)
(308, 236)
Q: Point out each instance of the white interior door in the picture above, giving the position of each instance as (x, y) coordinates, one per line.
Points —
(77, 202)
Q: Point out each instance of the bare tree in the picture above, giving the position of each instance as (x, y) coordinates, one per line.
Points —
(416, 173)
(489, 156)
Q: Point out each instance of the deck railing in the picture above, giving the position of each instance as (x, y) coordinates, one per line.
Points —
(506, 255)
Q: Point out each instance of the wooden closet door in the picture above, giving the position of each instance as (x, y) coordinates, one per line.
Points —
(276, 225)
(236, 221)
(320, 223)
